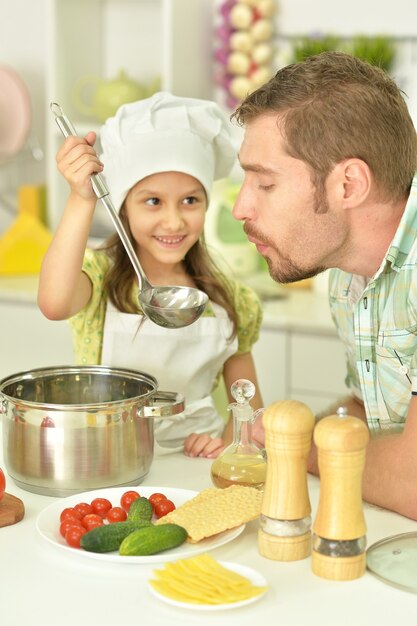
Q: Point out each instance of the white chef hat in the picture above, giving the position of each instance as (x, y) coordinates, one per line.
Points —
(165, 133)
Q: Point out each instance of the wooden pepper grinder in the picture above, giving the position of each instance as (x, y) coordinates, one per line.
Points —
(339, 539)
(285, 521)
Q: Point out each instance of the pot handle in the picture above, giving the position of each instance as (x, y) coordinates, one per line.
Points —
(164, 404)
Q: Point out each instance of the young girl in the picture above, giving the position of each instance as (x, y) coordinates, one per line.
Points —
(160, 157)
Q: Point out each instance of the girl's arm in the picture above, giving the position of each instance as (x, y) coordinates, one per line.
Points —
(237, 366)
(63, 288)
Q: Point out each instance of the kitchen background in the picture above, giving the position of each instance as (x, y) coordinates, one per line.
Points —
(56, 46)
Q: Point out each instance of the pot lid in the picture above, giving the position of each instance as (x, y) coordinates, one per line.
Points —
(393, 560)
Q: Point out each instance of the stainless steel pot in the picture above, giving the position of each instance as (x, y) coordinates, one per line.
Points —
(72, 429)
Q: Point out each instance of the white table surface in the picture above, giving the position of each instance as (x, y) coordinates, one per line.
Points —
(42, 584)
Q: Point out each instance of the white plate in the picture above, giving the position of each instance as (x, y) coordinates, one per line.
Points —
(251, 574)
(47, 524)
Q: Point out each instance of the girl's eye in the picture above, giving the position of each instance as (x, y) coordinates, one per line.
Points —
(266, 187)
(152, 201)
(190, 200)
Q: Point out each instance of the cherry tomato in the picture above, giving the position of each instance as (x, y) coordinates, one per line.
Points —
(2, 483)
(92, 520)
(69, 513)
(67, 523)
(84, 508)
(73, 536)
(127, 499)
(155, 498)
(116, 514)
(101, 506)
(163, 507)
(47, 422)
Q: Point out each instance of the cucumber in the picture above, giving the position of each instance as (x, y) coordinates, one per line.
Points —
(152, 539)
(140, 509)
(108, 537)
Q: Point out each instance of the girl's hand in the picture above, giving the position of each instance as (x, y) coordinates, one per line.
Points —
(203, 446)
(76, 161)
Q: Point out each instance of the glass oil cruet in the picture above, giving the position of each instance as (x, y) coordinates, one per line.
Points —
(242, 462)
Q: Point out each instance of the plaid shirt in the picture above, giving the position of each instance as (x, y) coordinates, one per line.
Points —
(377, 321)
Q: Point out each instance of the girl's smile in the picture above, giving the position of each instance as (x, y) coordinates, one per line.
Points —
(170, 242)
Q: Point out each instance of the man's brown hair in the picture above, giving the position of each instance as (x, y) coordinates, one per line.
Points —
(335, 106)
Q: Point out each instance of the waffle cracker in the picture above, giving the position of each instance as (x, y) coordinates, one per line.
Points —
(214, 510)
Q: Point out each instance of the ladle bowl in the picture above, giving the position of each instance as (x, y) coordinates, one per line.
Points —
(167, 306)
(172, 301)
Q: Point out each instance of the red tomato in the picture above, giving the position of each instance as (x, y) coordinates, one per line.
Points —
(163, 507)
(2, 483)
(47, 422)
(69, 513)
(155, 498)
(127, 499)
(67, 523)
(73, 536)
(83, 508)
(116, 514)
(92, 520)
(101, 506)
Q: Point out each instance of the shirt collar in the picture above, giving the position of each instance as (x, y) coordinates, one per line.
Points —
(406, 233)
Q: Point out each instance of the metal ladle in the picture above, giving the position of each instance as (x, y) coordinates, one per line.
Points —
(168, 306)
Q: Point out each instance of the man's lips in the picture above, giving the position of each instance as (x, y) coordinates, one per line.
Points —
(254, 240)
(262, 248)
(252, 237)
(260, 245)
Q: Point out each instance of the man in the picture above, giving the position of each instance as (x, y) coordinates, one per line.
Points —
(329, 156)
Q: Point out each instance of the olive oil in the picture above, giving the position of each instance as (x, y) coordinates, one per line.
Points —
(231, 469)
(241, 463)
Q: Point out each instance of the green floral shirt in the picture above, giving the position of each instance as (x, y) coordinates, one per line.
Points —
(88, 325)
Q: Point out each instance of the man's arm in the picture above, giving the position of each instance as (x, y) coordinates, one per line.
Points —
(390, 475)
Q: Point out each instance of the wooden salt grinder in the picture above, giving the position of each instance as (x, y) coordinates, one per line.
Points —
(285, 519)
(339, 528)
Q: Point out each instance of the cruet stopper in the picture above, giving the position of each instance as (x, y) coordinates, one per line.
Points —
(339, 538)
(242, 462)
(285, 521)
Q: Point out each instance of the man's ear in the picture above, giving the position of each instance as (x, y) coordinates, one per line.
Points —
(357, 182)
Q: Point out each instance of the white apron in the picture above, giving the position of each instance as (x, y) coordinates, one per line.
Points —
(185, 360)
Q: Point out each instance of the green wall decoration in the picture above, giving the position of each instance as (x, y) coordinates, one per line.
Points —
(378, 50)
(315, 44)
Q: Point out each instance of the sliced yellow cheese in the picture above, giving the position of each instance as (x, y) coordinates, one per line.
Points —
(202, 580)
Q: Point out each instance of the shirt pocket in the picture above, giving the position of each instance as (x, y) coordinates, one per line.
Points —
(394, 359)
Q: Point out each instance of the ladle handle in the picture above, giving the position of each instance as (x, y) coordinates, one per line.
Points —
(103, 194)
